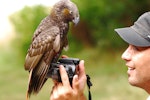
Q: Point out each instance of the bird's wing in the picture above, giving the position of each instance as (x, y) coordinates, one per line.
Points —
(43, 42)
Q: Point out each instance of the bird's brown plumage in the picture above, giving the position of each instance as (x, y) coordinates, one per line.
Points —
(49, 39)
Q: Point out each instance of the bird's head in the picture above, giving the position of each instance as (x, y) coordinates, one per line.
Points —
(68, 11)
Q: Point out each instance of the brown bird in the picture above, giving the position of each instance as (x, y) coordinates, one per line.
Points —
(48, 40)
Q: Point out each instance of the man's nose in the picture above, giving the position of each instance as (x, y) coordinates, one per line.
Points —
(127, 54)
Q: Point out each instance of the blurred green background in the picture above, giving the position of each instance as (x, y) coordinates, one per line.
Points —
(93, 40)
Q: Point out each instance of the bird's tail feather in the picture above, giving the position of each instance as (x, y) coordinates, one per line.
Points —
(27, 96)
(28, 93)
(37, 79)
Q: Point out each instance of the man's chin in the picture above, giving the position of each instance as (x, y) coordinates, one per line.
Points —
(132, 81)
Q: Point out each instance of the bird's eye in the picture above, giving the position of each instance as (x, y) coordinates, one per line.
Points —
(71, 12)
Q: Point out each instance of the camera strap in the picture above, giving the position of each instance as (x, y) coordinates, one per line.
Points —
(89, 84)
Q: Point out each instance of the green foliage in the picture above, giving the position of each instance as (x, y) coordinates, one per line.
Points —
(103, 16)
(25, 23)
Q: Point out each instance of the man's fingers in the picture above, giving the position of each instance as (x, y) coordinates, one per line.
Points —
(64, 56)
(81, 68)
(82, 75)
(75, 82)
(64, 76)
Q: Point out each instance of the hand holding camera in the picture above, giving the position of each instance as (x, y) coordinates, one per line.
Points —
(70, 65)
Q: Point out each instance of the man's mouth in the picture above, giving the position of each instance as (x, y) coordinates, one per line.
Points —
(130, 68)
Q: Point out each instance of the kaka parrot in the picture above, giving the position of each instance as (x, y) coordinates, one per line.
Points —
(48, 40)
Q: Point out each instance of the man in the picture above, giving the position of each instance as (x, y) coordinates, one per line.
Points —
(137, 57)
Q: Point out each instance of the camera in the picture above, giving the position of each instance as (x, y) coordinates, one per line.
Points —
(70, 65)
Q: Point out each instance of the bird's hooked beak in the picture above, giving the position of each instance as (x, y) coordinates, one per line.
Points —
(76, 20)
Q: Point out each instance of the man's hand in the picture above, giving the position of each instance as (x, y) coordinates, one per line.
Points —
(63, 91)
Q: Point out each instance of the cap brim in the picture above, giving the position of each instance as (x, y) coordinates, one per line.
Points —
(132, 37)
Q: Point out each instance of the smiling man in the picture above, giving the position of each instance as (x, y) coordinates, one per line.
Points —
(137, 57)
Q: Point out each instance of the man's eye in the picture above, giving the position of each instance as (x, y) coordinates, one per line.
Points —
(140, 48)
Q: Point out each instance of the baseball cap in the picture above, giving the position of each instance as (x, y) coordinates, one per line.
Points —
(139, 33)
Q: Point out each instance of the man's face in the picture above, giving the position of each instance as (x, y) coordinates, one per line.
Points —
(138, 63)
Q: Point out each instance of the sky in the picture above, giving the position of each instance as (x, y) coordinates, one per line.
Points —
(8, 7)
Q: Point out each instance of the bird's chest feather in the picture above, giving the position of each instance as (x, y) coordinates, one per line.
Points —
(64, 27)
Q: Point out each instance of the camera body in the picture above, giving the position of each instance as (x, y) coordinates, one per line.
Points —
(70, 65)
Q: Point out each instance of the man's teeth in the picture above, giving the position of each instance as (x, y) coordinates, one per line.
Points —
(130, 68)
